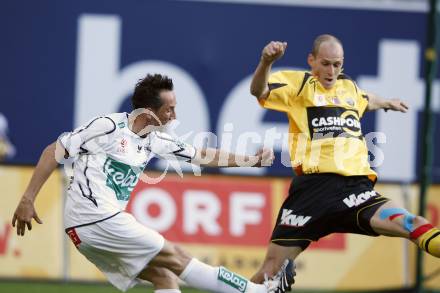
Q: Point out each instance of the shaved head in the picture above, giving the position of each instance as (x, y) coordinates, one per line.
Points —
(323, 39)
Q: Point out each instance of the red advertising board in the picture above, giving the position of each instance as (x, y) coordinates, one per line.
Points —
(211, 210)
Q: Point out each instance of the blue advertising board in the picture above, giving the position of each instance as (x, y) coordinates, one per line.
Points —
(67, 61)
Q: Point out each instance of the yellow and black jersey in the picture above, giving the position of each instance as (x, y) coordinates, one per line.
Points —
(324, 124)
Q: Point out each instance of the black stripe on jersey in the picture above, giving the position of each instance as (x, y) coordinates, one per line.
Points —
(275, 85)
(91, 223)
(366, 97)
(90, 195)
(88, 125)
(345, 76)
(84, 150)
(429, 240)
(306, 77)
(177, 152)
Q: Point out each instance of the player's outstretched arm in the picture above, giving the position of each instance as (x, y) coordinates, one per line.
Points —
(211, 157)
(376, 103)
(25, 210)
(272, 52)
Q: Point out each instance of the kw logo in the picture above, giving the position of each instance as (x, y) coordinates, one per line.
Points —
(293, 220)
(355, 200)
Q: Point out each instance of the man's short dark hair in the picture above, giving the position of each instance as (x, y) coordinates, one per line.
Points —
(147, 90)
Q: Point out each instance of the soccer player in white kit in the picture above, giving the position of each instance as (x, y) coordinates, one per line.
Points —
(109, 155)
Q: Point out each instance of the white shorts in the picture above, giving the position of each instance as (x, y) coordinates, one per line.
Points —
(120, 247)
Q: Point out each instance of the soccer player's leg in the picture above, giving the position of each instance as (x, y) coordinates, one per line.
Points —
(298, 224)
(301, 219)
(391, 219)
(163, 280)
(216, 279)
(275, 257)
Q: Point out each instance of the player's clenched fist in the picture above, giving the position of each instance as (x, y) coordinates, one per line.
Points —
(273, 51)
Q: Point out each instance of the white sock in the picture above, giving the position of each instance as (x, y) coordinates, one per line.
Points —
(217, 279)
(167, 291)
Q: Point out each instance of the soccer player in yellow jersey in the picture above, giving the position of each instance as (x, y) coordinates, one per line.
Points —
(334, 187)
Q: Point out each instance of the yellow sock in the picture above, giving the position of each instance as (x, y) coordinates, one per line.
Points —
(430, 242)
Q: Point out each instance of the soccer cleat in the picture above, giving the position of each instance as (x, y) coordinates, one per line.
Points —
(283, 279)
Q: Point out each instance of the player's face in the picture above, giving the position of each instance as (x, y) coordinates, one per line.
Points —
(327, 64)
(166, 112)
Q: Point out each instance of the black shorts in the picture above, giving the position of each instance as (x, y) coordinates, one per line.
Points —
(321, 204)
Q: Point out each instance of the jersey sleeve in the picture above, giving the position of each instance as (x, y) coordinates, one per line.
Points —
(93, 137)
(362, 101)
(166, 147)
(283, 87)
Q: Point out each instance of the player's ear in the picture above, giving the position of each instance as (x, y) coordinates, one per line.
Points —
(150, 112)
(311, 59)
(153, 115)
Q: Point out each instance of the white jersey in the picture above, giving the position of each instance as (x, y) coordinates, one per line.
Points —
(108, 160)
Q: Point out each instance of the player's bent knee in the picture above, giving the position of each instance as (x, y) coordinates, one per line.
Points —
(420, 230)
(420, 221)
(406, 220)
